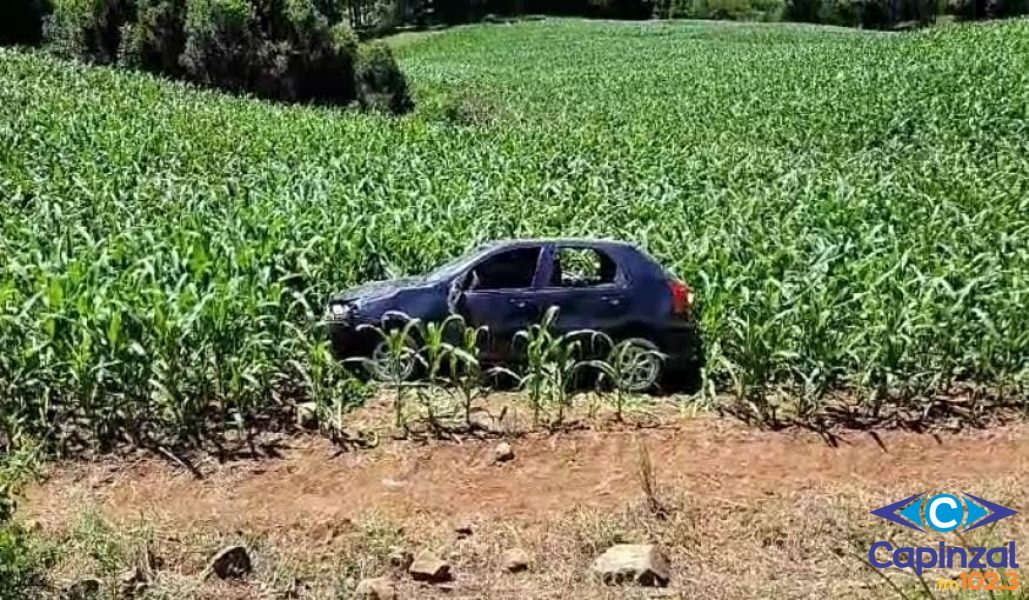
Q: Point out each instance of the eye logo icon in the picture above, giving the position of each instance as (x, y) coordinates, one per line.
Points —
(943, 512)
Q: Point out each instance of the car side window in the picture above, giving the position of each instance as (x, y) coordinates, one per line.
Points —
(582, 268)
(510, 269)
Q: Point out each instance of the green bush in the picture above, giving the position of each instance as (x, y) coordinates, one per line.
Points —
(465, 107)
(967, 10)
(22, 22)
(88, 29)
(285, 50)
(380, 83)
(735, 10)
(220, 47)
(870, 14)
(23, 561)
(156, 40)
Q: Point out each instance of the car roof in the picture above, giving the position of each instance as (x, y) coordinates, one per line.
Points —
(560, 241)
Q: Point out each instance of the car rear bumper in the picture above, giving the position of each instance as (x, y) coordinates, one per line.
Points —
(682, 345)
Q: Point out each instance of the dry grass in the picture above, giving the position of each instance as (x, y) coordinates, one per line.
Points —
(741, 514)
(803, 544)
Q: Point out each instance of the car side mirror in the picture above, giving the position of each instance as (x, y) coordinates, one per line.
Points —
(454, 295)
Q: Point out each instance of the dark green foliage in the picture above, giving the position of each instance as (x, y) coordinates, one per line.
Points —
(22, 22)
(23, 561)
(156, 40)
(735, 10)
(286, 50)
(381, 84)
(88, 29)
(987, 9)
(466, 107)
(220, 45)
(450, 12)
(870, 14)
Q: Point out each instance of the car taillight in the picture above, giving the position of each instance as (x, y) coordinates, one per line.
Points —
(682, 297)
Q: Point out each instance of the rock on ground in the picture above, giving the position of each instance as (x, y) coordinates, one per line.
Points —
(307, 415)
(643, 564)
(84, 589)
(482, 420)
(463, 529)
(503, 452)
(514, 560)
(429, 567)
(231, 562)
(379, 588)
(400, 559)
(133, 582)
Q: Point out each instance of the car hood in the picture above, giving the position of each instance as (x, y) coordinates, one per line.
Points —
(377, 289)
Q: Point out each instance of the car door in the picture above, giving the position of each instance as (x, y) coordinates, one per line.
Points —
(589, 287)
(500, 295)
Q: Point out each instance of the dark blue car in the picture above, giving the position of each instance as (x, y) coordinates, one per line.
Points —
(608, 286)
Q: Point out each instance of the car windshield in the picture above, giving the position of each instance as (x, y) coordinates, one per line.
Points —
(454, 266)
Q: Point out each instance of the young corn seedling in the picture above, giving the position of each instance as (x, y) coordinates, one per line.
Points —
(552, 363)
(396, 360)
(563, 364)
(621, 367)
(435, 355)
(465, 369)
(538, 341)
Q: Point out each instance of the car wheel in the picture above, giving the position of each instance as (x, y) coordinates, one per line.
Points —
(642, 366)
(385, 367)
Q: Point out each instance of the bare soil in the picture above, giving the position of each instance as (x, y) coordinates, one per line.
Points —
(751, 513)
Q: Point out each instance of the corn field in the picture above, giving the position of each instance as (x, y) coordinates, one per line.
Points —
(851, 207)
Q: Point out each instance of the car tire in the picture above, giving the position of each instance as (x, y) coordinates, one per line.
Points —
(651, 367)
(377, 366)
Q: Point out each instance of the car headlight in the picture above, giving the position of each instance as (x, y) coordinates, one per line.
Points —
(339, 312)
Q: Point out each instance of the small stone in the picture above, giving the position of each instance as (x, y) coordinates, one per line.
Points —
(429, 567)
(133, 575)
(84, 589)
(132, 582)
(400, 559)
(379, 588)
(232, 562)
(503, 452)
(307, 415)
(481, 420)
(514, 560)
(463, 529)
(643, 564)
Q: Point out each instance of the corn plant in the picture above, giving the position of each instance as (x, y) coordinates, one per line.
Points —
(465, 369)
(538, 341)
(854, 225)
(394, 367)
(551, 364)
(435, 354)
(620, 367)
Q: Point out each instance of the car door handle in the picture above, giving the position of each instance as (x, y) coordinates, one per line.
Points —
(520, 302)
(612, 300)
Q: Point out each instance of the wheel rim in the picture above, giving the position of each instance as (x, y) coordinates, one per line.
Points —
(642, 368)
(385, 368)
